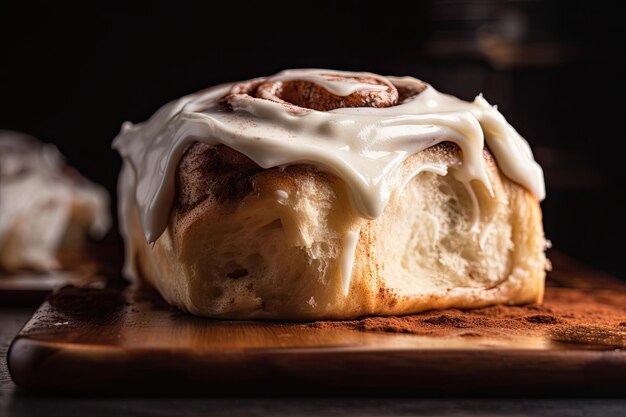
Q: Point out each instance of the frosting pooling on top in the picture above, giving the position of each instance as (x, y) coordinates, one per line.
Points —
(365, 146)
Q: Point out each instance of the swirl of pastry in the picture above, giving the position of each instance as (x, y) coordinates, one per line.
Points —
(368, 92)
(328, 91)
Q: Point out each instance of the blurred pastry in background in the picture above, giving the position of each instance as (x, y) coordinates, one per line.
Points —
(48, 211)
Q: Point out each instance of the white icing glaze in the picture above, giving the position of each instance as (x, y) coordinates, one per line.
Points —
(346, 259)
(282, 196)
(364, 146)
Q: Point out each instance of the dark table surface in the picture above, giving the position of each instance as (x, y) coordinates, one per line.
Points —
(16, 402)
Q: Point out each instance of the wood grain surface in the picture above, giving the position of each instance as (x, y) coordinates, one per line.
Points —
(31, 289)
(128, 341)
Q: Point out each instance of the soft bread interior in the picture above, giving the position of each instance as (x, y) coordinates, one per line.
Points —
(250, 243)
(443, 237)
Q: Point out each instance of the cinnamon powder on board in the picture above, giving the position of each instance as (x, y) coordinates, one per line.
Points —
(567, 315)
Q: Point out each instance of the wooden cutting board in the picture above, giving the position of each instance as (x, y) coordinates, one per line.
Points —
(126, 341)
(92, 267)
(30, 289)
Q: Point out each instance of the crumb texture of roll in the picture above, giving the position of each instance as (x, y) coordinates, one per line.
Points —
(244, 242)
(242, 231)
(46, 208)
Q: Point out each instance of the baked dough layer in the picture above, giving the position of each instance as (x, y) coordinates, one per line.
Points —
(244, 242)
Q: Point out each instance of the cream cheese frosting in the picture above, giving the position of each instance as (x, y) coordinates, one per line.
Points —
(364, 146)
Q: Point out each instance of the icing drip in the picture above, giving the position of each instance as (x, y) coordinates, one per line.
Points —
(346, 260)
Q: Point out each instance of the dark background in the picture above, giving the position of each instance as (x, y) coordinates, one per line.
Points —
(71, 74)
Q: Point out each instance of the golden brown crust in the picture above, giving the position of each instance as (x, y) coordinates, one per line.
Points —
(226, 177)
(216, 172)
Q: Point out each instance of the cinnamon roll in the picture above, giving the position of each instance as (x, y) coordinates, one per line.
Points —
(322, 194)
(47, 209)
